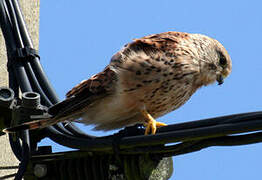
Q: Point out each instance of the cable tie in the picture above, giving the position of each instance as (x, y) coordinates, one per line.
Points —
(25, 53)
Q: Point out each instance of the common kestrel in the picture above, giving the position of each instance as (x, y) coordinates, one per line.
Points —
(146, 79)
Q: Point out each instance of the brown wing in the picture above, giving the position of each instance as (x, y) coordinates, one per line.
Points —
(85, 93)
(163, 41)
(97, 84)
(143, 53)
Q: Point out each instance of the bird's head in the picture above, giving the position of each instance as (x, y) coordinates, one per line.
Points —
(214, 61)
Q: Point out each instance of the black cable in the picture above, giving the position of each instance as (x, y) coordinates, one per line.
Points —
(13, 19)
(15, 146)
(218, 141)
(212, 121)
(6, 26)
(47, 88)
(192, 134)
(22, 79)
(76, 131)
(26, 154)
(41, 77)
(79, 143)
(10, 47)
(35, 85)
(105, 143)
(22, 25)
(43, 81)
(18, 66)
(13, 81)
(59, 127)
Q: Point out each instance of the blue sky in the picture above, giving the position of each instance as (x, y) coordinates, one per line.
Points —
(78, 38)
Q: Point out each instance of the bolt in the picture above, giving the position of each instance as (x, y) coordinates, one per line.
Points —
(40, 170)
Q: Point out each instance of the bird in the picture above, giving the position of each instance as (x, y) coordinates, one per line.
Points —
(146, 79)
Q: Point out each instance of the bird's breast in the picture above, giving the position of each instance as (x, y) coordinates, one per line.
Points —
(159, 96)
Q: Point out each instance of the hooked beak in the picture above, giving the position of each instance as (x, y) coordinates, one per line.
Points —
(220, 79)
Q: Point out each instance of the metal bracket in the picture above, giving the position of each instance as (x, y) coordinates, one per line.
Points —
(16, 111)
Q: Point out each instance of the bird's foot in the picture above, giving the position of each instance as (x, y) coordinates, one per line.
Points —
(151, 124)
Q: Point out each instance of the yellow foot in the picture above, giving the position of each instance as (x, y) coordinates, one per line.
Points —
(151, 124)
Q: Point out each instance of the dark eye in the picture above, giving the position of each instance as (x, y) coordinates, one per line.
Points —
(222, 60)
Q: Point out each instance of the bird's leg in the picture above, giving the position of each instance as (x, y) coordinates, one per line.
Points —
(151, 124)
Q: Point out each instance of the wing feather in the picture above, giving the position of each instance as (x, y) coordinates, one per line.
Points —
(85, 93)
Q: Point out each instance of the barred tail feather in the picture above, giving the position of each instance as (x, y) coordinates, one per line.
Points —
(37, 124)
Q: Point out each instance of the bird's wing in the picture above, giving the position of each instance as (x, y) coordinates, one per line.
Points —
(97, 84)
(164, 41)
(152, 46)
(85, 93)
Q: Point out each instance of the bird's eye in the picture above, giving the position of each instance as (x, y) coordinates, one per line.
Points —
(222, 60)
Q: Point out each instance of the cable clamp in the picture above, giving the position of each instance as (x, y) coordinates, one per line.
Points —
(25, 53)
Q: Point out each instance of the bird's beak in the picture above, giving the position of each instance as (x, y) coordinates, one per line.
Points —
(220, 79)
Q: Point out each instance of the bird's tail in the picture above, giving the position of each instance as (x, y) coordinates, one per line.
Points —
(37, 124)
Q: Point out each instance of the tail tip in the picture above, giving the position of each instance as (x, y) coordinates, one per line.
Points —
(16, 128)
